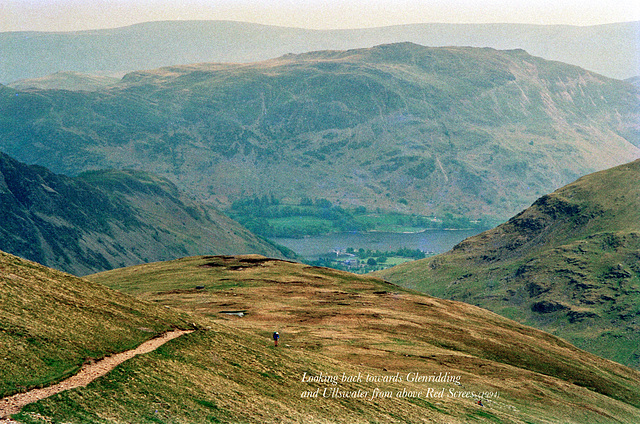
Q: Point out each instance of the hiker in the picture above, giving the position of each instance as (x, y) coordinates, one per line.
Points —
(276, 337)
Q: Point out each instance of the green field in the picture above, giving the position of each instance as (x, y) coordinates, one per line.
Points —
(274, 217)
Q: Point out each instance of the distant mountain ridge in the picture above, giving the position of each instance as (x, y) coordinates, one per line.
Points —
(66, 81)
(611, 50)
(107, 219)
(467, 131)
(569, 264)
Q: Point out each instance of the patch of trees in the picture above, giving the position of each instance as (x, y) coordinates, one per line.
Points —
(255, 213)
(269, 216)
(381, 256)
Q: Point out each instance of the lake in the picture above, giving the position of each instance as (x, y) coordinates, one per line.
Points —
(436, 241)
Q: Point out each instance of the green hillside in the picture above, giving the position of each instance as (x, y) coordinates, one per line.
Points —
(51, 323)
(107, 219)
(471, 132)
(568, 265)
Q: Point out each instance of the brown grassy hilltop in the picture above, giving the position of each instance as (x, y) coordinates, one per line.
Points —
(334, 325)
(333, 322)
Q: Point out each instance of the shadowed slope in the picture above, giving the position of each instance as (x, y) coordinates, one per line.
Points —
(106, 219)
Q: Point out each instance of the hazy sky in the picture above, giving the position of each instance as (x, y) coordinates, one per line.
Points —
(68, 15)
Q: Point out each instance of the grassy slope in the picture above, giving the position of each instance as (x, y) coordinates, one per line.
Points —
(401, 127)
(51, 323)
(568, 264)
(106, 219)
(334, 322)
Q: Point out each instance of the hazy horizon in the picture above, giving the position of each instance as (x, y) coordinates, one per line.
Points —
(78, 15)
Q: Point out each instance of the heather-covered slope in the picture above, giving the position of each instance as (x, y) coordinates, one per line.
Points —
(569, 264)
(108, 219)
(402, 127)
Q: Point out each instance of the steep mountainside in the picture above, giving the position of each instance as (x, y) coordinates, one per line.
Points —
(427, 130)
(569, 264)
(107, 219)
(608, 49)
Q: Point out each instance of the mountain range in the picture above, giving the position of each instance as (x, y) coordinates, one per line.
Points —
(107, 219)
(474, 132)
(466, 131)
(611, 49)
(569, 264)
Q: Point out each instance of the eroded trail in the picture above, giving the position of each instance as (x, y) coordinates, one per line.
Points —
(88, 373)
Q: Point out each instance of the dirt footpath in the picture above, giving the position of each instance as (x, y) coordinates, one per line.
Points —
(88, 373)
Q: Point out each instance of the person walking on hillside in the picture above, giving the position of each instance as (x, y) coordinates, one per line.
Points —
(276, 337)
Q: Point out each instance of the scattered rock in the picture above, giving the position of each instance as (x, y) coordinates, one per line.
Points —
(234, 313)
(547, 306)
(577, 316)
(536, 289)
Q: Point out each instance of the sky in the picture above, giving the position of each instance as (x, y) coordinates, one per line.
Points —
(74, 15)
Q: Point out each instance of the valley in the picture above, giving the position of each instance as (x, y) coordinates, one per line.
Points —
(351, 251)
(273, 217)
(181, 193)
